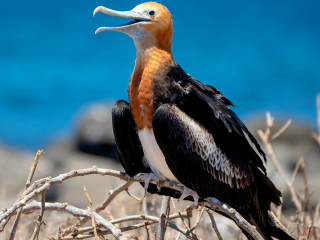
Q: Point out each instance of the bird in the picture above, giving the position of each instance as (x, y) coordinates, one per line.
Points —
(179, 129)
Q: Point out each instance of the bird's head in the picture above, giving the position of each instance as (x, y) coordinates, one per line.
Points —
(151, 25)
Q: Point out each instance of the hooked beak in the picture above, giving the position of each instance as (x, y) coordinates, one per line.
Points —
(137, 17)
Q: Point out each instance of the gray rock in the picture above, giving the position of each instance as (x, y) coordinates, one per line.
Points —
(94, 133)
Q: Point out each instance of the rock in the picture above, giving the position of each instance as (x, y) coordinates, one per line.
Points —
(94, 133)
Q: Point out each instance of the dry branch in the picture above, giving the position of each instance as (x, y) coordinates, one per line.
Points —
(281, 130)
(214, 203)
(32, 171)
(214, 225)
(36, 231)
(163, 214)
(43, 185)
(301, 201)
(265, 137)
(199, 215)
(76, 212)
(107, 227)
(91, 211)
(105, 232)
(102, 206)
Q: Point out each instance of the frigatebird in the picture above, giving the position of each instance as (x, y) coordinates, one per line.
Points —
(179, 129)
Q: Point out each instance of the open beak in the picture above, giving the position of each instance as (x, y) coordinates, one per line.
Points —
(137, 17)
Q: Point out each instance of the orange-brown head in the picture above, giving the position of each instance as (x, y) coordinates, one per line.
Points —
(151, 31)
(152, 25)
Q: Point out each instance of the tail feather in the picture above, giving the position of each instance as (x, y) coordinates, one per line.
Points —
(276, 229)
(272, 229)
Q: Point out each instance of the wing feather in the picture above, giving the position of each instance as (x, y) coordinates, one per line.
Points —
(196, 141)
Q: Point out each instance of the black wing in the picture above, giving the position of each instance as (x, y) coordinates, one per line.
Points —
(129, 146)
(196, 159)
(208, 106)
(194, 156)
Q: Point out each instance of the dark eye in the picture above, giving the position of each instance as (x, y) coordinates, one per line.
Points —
(151, 13)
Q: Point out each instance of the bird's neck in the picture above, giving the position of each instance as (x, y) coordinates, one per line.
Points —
(149, 64)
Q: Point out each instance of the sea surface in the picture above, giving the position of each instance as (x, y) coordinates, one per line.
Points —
(263, 55)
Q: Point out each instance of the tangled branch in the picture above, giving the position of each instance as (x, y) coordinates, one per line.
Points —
(43, 185)
(101, 226)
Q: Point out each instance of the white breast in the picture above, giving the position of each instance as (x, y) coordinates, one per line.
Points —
(154, 156)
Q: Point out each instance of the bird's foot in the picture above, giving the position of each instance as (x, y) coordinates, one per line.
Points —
(188, 192)
(148, 177)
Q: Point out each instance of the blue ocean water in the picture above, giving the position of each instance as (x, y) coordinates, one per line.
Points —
(263, 55)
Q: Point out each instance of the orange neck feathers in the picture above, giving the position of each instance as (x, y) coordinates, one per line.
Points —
(140, 89)
(153, 41)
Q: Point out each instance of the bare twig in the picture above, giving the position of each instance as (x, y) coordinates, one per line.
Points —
(91, 211)
(199, 215)
(214, 203)
(105, 232)
(265, 137)
(33, 168)
(147, 231)
(36, 231)
(214, 225)
(124, 229)
(308, 233)
(133, 196)
(307, 197)
(281, 130)
(76, 212)
(105, 203)
(316, 216)
(163, 213)
(296, 169)
(185, 232)
(32, 171)
(43, 185)
(150, 220)
(184, 222)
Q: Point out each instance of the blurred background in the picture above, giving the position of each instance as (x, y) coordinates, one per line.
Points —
(58, 80)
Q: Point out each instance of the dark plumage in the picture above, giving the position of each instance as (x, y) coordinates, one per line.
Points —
(183, 130)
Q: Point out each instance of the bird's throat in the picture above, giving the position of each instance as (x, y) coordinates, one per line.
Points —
(149, 64)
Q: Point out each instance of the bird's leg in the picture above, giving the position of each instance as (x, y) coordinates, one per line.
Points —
(188, 192)
(147, 178)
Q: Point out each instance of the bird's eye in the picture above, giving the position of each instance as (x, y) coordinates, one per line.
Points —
(151, 13)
